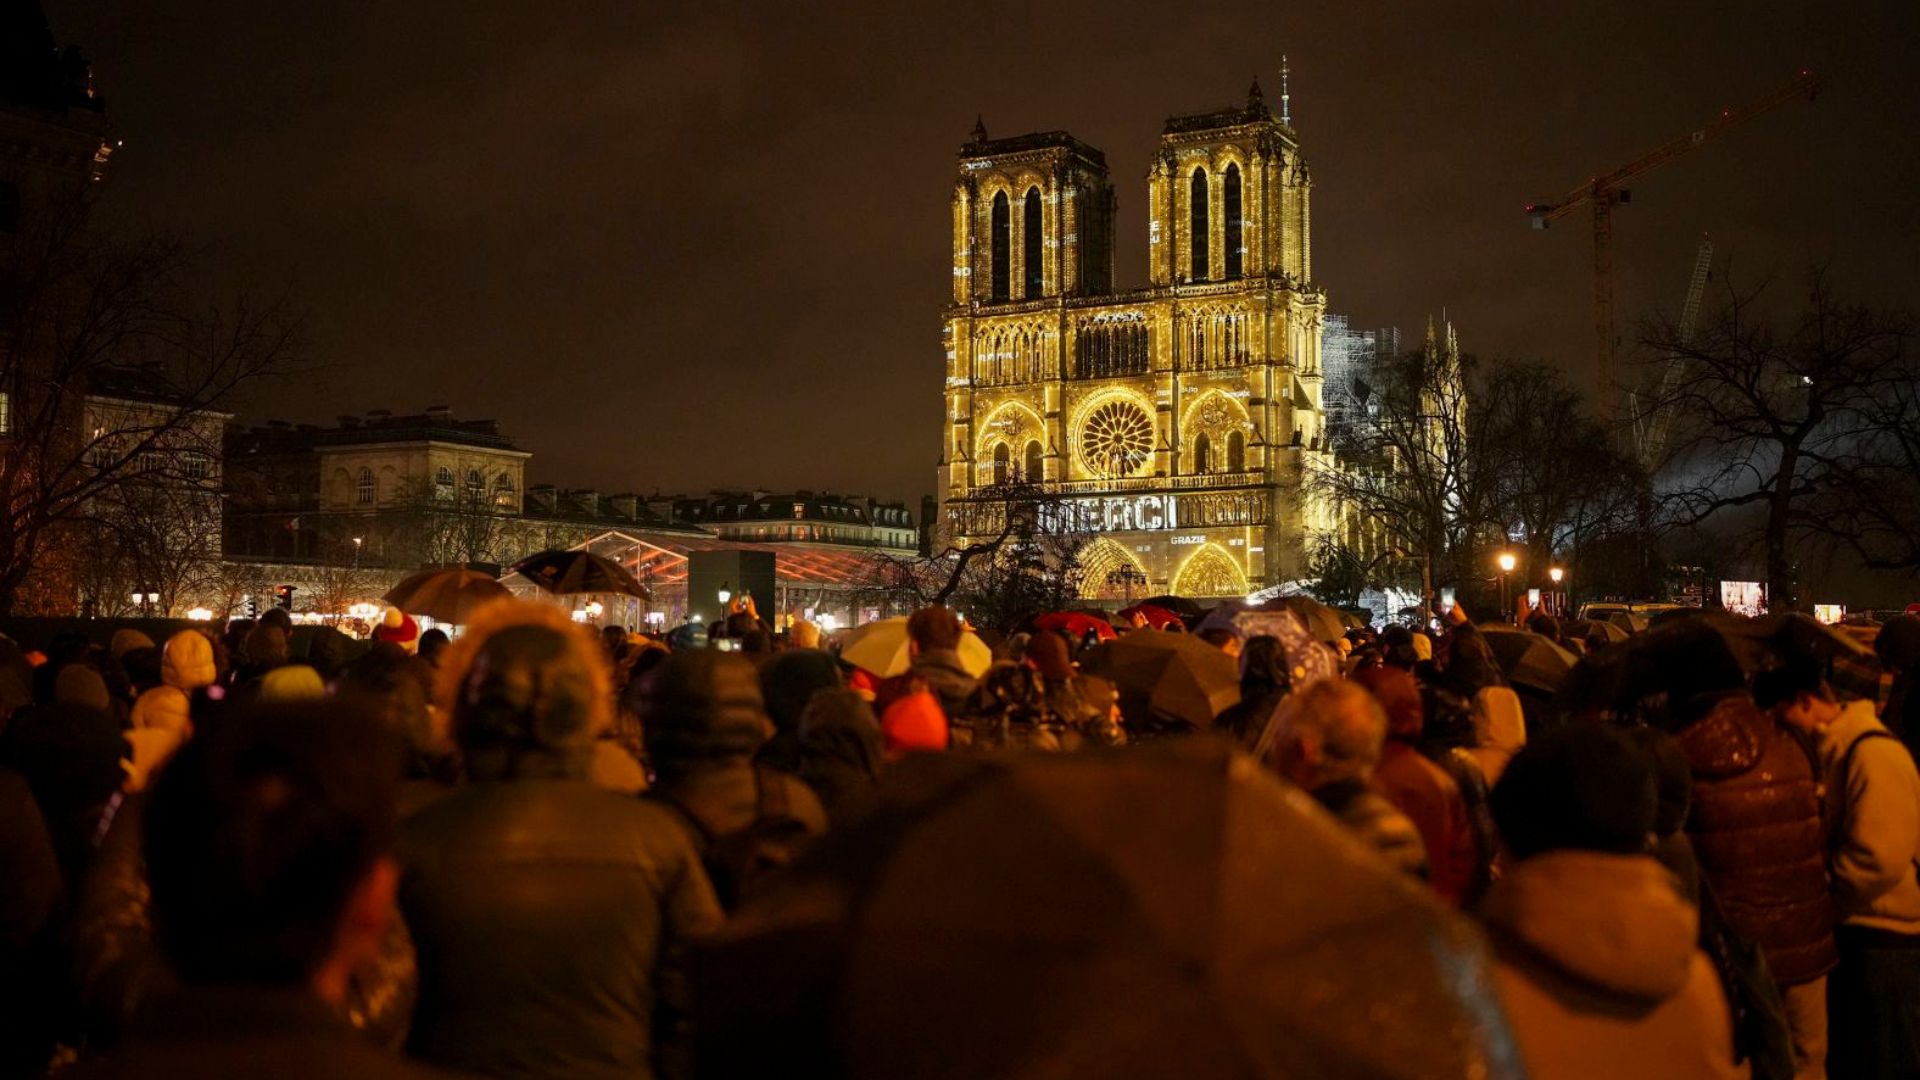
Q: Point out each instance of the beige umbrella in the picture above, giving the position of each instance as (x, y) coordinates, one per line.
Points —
(880, 648)
(449, 596)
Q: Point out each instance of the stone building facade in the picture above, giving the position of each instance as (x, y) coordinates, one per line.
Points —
(1173, 422)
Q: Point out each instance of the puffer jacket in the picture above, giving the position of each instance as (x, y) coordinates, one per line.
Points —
(551, 918)
(1599, 970)
(1756, 829)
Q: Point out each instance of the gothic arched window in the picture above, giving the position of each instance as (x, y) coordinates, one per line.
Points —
(443, 479)
(1236, 452)
(1002, 248)
(1202, 453)
(1198, 241)
(475, 485)
(1002, 463)
(363, 488)
(1230, 194)
(1030, 243)
(1036, 469)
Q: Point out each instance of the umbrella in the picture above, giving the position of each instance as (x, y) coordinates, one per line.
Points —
(1165, 675)
(566, 573)
(1323, 622)
(1529, 659)
(1580, 628)
(449, 596)
(1179, 605)
(880, 648)
(1156, 616)
(1169, 911)
(1076, 624)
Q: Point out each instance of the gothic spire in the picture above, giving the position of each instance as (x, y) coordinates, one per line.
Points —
(979, 128)
(1255, 100)
(1286, 98)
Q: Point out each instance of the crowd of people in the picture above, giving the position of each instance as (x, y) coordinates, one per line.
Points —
(503, 854)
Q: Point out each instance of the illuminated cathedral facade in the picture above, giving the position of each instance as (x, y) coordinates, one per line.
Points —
(1173, 423)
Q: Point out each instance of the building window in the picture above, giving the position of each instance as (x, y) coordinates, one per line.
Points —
(363, 488)
(1035, 467)
(1198, 240)
(443, 479)
(1030, 243)
(1002, 463)
(475, 485)
(195, 465)
(1231, 196)
(1202, 453)
(1236, 452)
(503, 490)
(1002, 249)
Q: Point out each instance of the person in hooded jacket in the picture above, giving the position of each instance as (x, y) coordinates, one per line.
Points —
(1263, 683)
(550, 916)
(1422, 790)
(704, 718)
(1756, 828)
(788, 682)
(163, 716)
(1597, 959)
(840, 754)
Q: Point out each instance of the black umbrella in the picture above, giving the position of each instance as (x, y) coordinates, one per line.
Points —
(1160, 912)
(567, 573)
(1166, 675)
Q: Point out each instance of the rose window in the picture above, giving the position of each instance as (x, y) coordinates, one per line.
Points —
(1115, 439)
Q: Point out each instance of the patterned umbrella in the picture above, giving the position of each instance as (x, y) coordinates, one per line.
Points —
(567, 573)
(449, 596)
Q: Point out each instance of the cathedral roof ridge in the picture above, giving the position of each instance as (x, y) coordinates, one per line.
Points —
(1254, 111)
(1034, 140)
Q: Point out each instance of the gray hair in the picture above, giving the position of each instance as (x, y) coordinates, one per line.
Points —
(1345, 721)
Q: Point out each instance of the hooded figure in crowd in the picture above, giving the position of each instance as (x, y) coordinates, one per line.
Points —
(840, 754)
(549, 915)
(163, 716)
(788, 683)
(1598, 961)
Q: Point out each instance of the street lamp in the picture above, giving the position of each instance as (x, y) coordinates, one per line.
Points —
(1557, 574)
(725, 594)
(1127, 577)
(1506, 562)
(356, 551)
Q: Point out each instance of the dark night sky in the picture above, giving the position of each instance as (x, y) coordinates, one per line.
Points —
(693, 246)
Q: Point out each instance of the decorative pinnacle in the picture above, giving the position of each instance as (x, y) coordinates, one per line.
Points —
(1254, 98)
(979, 128)
(1286, 98)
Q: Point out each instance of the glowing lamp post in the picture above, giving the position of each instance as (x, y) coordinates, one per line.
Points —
(1557, 575)
(1505, 561)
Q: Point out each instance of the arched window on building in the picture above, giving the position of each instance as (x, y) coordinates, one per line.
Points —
(363, 488)
(1199, 231)
(1202, 453)
(1035, 466)
(503, 490)
(1002, 249)
(1002, 463)
(443, 482)
(1030, 234)
(1230, 195)
(1236, 452)
(475, 485)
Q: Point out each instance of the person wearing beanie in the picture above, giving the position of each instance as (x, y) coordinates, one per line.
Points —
(914, 724)
(163, 716)
(549, 915)
(788, 682)
(703, 718)
(291, 682)
(1423, 791)
(398, 628)
(1596, 953)
(125, 640)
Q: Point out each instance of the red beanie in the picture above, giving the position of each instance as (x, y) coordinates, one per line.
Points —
(396, 626)
(1399, 695)
(913, 724)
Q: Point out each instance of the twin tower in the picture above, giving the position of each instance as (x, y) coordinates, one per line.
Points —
(1170, 423)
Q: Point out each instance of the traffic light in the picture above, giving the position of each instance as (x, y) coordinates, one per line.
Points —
(283, 596)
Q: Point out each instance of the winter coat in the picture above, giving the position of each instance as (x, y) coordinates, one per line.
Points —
(550, 919)
(1376, 823)
(1756, 829)
(162, 717)
(840, 754)
(1432, 801)
(1875, 811)
(245, 1032)
(1499, 730)
(71, 757)
(29, 948)
(946, 677)
(1597, 963)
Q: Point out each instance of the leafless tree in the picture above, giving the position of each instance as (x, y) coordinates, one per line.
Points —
(1786, 415)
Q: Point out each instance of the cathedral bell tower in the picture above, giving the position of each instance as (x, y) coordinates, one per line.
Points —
(1032, 218)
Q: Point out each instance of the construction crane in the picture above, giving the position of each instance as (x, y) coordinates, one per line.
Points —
(1605, 192)
(1651, 424)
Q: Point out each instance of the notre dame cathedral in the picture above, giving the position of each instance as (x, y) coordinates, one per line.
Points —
(1176, 421)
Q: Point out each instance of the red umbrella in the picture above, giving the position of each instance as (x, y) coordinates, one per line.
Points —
(1156, 616)
(1075, 624)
